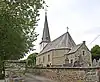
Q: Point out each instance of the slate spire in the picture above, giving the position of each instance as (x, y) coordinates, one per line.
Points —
(46, 34)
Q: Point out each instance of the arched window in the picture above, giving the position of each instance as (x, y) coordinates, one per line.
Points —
(66, 61)
(39, 60)
(71, 61)
(48, 58)
(43, 59)
(83, 52)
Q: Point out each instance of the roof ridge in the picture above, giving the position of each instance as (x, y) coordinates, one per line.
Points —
(58, 37)
(76, 47)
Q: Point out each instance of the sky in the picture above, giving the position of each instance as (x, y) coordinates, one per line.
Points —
(81, 16)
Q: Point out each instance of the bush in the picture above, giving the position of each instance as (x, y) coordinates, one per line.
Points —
(2, 76)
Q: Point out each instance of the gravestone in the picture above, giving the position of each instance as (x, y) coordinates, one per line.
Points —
(77, 64)
(94, 63)
(98, 62)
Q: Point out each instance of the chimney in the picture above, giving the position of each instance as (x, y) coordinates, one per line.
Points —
(84, 42)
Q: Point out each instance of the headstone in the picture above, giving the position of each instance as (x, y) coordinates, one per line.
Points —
(79, 62)
(94, 63)
(66, 60)
(76, 64)
(98, 62)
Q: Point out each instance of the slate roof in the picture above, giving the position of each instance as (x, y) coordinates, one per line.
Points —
(64, 41)
(75, 48)
(46, 34)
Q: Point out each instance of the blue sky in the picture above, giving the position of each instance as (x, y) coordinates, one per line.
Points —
(81, 16)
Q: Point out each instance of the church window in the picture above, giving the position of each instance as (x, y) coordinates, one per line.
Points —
(83, 52)
(43, 58)
(71, 61)
(66, 61)
(39, 60)
(48, 58)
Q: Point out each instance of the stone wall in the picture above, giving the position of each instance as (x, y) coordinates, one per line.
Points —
(39, 59)
(57, 57)
(85, 59)
(69, 74)
(2, 81)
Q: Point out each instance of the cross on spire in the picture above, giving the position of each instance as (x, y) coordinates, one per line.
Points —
(67, 28)
(45, 10)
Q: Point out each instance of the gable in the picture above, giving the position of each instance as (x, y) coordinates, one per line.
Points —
(74, 49)
(77, 47)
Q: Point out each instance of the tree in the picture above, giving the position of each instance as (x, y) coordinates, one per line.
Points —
(32, 59)
(18, 20)
(95, 52)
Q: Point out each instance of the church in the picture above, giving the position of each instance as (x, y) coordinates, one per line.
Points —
(62, 51)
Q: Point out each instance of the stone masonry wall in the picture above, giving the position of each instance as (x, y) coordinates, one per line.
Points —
(69, 74)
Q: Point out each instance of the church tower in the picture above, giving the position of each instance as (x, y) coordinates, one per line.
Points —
(46, 35)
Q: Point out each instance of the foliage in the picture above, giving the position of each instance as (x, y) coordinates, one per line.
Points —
(18, 20)
(95, 52)
(32, 59)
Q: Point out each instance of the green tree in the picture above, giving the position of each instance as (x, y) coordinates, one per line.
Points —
(18, 20)
(32, 59)
(95, 52)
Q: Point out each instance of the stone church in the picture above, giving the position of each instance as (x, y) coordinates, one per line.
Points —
(62, 51)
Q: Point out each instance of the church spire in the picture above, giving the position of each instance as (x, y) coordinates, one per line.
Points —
(46, 35)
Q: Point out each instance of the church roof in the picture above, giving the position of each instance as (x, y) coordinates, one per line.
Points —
(75, 48)
(64, 41)
(46, 34)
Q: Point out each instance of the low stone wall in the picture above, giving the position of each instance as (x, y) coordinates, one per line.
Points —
(2, 81)
(69, 74)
